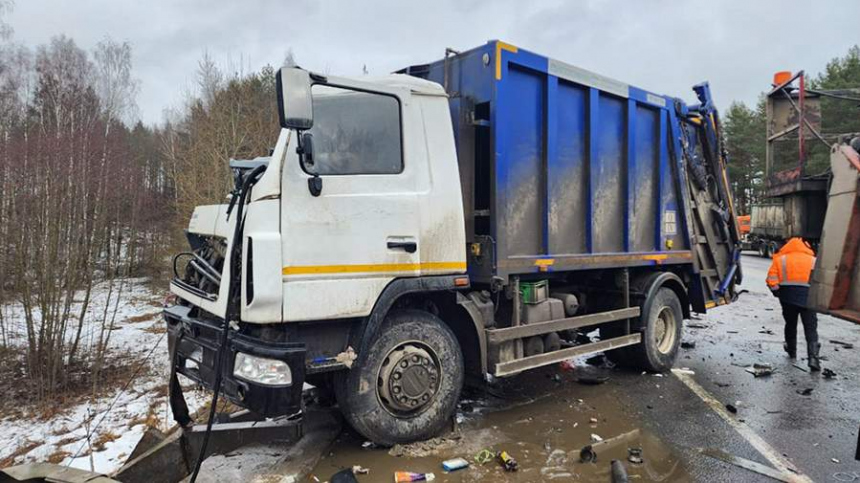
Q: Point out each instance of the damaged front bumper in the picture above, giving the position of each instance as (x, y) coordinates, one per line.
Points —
(194, 345)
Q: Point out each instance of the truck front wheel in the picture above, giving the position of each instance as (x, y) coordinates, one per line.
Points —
(407, 386)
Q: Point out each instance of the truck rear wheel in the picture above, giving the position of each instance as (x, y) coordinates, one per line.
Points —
(661, 335)
(408, 385)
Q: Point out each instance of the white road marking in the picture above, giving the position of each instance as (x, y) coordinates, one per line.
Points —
(775, 457)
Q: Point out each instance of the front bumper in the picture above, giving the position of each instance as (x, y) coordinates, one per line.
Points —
(194, 345)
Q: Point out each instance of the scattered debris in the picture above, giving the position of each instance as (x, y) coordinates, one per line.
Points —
(619, 472)
(595, 438)
(845, 345)
(684, 370)
(766, 331)
(805, 392)
(507, 461)
(828, 373)
(697, 326)
(731, 408)
(483, 457)
(592, 420)
(800, 367)
(688, 344)
(747, 464)
(592, 380)
(344, 476)
(358, 470)
(455, 464)
(760, 369)
(722, 384)
(407, 476)
(732, 332)
(834, 460)
(587, 454)
(368, 445)
(634, 455)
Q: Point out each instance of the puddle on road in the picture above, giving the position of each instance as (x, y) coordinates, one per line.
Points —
(542, 423)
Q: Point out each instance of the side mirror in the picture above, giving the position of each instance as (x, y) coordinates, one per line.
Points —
(295, 104)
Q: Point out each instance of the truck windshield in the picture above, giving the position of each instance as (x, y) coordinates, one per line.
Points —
(355, 132)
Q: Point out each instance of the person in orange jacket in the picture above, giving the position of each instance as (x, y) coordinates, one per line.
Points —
(788, 279)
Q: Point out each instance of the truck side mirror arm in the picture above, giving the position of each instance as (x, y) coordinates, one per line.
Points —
(305, 150)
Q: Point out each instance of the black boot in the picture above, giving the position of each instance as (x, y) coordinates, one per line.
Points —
(812, 349)
(791, 349)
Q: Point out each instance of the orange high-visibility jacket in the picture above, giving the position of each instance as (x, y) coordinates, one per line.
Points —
(791, 266)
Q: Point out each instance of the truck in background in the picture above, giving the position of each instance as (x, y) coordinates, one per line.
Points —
(797, 171)
(462, 220)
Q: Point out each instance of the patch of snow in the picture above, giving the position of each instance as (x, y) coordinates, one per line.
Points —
(66, 431)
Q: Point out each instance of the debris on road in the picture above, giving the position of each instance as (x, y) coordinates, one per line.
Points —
(359, 470)
(595, 438)
(834, 460)
(684, 370)
(688, 344)
(805, 392)
(592, 380)
(828, 373)
(619, 472)
(408, 476)
(800, 367)
(343, 476)
(507, 461)
(634, 455)
(587, 454)
(483, 457)
(592, 420)
(697, 326)
(766, 331)
(455, 464)
(731, 408)
(844, 345)
(747, 464)
(760, 369)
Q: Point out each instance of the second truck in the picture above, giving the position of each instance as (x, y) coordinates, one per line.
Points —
(463, 220)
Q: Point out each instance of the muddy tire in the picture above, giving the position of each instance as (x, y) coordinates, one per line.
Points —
(661, 335)
(407, 387)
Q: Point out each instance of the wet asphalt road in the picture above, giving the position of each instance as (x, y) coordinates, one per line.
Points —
(544, 418)
(808, 430)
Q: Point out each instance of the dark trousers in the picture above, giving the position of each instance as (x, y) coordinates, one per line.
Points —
(810, 324)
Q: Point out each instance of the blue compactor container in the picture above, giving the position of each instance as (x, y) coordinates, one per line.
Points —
(566, 171)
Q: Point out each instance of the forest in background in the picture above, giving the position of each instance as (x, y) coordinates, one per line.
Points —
(89, 195)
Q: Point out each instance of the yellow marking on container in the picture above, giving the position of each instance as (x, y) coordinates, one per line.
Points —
(544, 262)
(500, 46)
(372, 268)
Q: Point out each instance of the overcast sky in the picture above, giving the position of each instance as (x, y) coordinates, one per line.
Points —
(664, 46)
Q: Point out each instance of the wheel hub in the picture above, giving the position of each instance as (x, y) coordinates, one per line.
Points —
(664, 330)
(408, 379)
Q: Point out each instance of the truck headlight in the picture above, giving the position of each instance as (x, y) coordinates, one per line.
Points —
(260, 370)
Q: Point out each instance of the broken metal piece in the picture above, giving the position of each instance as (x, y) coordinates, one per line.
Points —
(747, 464)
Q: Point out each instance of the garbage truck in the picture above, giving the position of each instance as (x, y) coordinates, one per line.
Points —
(456, 222)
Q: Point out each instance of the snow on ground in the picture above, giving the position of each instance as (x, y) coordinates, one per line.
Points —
(138, 331)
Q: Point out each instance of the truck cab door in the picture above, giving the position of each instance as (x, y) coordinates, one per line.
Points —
(342, 247)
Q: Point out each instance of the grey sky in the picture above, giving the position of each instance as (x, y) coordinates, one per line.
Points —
(665, 46)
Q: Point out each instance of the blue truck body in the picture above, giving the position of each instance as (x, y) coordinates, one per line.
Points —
(565, 170)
